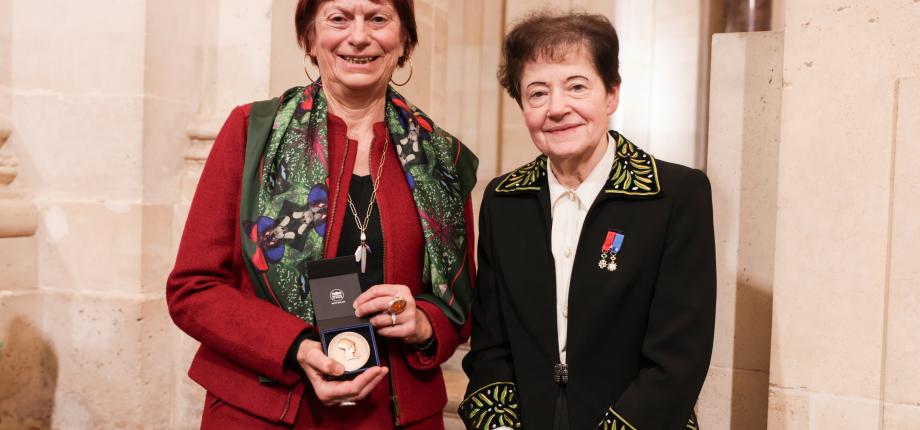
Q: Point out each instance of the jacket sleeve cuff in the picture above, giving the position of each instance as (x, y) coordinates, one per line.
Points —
(445, 333)
(290, 359)
(613, 421)
(492, 406)
(283, 373)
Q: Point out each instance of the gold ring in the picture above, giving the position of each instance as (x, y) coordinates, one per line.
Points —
(393, 319)
(396, 305)
(347, 403)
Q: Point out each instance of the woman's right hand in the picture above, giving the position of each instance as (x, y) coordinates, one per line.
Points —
(317, 366)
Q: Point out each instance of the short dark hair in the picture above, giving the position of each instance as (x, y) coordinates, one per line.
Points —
(305, 16)
(551, 35)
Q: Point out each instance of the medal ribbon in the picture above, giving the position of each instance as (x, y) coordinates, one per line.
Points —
(617, 241)
(608, 242)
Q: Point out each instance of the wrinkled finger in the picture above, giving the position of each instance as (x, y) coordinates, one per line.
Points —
(385, 320)
(337, 391)
(350, 390)
(323, 364)
(320, 387)
(379, 290)
(313, 376)
(400, 331)
(364, 378)
(377, 305)
(373, 382)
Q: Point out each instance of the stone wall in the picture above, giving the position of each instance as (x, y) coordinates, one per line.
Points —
(811, 135)
(790, 170)
(84, 333)
(846, 212)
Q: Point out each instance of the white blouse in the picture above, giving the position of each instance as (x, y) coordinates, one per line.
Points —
(569, 208)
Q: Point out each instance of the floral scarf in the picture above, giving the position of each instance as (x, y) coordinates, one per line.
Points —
(285, 199)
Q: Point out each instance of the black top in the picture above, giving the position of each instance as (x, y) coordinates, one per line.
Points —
(639, 337)
(360, 191)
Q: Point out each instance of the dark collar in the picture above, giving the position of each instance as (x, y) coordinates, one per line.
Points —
(634, 173)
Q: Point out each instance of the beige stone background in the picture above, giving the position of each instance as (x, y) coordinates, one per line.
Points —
(810, 135)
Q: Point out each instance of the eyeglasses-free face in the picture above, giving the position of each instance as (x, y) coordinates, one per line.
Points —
(566, 107)
(357, 43)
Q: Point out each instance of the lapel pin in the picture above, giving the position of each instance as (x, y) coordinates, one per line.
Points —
(612, 244)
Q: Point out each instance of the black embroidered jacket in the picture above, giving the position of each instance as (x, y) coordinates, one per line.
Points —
(639, 337)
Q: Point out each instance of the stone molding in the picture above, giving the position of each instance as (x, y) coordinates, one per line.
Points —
(18, 214)
(8, 163)
(201, 133)
(204, 129)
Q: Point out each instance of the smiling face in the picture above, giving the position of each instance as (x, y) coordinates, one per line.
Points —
(566, 107)
(357, 43)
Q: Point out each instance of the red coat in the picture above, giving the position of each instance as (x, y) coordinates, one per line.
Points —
(242, 337)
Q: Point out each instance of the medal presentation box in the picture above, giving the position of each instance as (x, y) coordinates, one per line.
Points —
(346, 338)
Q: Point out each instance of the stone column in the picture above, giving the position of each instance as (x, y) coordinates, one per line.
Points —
(745, 102)
(900, 394)
(454, 82)
(778, 15)
(236, 44)
(664, 58)
(27, 362)
(236, 70)
(28, 371)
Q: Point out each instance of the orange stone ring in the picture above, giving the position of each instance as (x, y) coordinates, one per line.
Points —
(397, 305)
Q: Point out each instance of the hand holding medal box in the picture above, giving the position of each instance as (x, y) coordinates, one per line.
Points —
(345, 338)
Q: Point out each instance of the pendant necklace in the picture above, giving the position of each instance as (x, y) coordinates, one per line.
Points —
(363, 248)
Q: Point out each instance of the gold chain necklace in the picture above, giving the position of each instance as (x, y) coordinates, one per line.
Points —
(361, 251)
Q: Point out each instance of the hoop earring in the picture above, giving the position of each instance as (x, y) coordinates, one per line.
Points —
(411, 70)
(307, 70)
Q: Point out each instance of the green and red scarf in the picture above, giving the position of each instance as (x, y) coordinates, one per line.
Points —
(286, 188)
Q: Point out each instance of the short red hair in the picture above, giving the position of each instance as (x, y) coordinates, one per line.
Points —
(305, 16)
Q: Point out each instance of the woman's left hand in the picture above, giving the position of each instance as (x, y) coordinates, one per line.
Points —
(411, 325)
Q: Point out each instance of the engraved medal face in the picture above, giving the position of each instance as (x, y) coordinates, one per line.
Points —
(350, 349)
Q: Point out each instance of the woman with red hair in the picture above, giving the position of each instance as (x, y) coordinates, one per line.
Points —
(344, 166)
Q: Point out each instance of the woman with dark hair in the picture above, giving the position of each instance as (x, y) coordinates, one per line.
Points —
(595, 296)
(342, 167)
